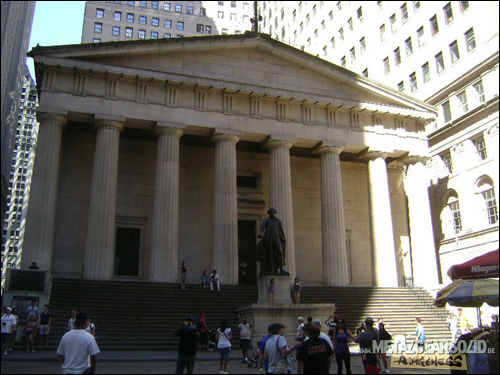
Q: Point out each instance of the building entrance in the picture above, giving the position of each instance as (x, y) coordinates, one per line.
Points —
(127, 251)
(247, 260)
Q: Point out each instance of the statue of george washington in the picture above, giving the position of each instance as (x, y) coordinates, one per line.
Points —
(271, 250)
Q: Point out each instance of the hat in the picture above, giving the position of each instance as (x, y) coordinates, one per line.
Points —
(8, 308)
(368, 320)
(300, 318)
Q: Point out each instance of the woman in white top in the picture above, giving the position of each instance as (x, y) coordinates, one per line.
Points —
(223, 338)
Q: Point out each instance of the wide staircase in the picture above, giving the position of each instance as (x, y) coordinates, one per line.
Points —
(397, 306)
(143, 316)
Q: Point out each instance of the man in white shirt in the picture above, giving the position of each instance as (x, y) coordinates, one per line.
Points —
(8, 327)
(78, 349)
(245, 336)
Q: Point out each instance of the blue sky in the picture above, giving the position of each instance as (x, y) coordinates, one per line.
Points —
(56, 23)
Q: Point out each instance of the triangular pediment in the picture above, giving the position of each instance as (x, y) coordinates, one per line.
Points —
(245, 63)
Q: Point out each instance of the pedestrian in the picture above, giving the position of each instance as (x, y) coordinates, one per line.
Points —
(381, 321)
(261, 348)
(276, 350)
(385, 340)
(8, 328)
(341, 347)
(297, 288)
(183, 268)
(270, 291)
(202, 328)
(214, 280)
(45, 322)
(300, 329)
(463, 322)
(323, 335)
(452, 321)
(366, 340)
(205, 279)
(71, 321)
(78, 349)
(32, 310)
(420, 335)
(245, 336)
(30, 332)
(91, 328)
(188, 341)
(315, 353)
(332, 322)
(223, 338)
(14, 332)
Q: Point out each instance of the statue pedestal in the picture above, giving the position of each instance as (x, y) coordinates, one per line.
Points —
(281, 289)
(261, 315)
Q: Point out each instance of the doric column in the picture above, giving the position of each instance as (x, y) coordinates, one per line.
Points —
(423, 252)
(335, 267)
(225, 225)
(384, 254)
(39, 240)
(164, 241)
(280, 194)
(100, 246)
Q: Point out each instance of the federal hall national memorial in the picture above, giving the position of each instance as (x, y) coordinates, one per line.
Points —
(154, 152)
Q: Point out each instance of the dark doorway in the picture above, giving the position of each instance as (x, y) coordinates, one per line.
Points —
(247, 270)
(127, 251)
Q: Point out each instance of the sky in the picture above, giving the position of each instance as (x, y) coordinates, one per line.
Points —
(56, 23)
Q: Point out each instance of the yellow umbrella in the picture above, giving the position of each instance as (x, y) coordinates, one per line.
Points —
(469, 293)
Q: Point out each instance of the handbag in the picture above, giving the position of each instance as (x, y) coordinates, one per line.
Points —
(281, 366)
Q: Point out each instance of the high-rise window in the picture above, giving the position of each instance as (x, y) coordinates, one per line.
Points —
(180, 25)
(439, 62)
(434, 25)
(462, 98)
(154, 34)
(208, 29)
(480, 147)
(116, 30)
(447, 161)
(455, 216)
(404, 13)
(393, 23)
(448, 13)
(401, 86)
(99, 13)
(491, 205)
(190, 10)
(397, 57)
(166, 6)
(155, 21)
(478, 87)
(464, 5)
(353, 55)
(142, 34)
(98, 27)
(130, 17)
(154, 4)
(362, 45)
(360, 14)
(413, 82)
(409, 47)
(118, 16)
(420, 36)
(382, 32)
(200, 28)
(446, 111)
(387, 67)
(455, 55)
(178, 8)
(426, 72)
(143, 20)
(470, 40)
(168, 24)
(129, 32)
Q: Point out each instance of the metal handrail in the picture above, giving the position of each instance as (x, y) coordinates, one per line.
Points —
(423, 297)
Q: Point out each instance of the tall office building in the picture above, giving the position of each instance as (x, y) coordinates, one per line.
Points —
(21, 171)
(442, 52)
(107, 21)
(17, 17)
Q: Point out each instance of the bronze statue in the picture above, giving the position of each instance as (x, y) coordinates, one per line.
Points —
(271, 250)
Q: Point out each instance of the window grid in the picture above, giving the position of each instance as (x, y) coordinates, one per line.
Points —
(456, 218)
(491, 205)
(480, 148)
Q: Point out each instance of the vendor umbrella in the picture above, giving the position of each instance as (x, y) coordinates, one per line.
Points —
(483, 266)
(469, 293)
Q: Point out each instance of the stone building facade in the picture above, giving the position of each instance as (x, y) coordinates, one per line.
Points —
(153, 152)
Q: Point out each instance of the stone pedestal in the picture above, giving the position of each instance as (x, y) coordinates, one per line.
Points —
(261, 315)
(281, 289)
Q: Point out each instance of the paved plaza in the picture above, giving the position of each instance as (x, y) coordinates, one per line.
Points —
(138, 362)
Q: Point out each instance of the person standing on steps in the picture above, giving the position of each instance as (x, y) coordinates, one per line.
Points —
(183, 268)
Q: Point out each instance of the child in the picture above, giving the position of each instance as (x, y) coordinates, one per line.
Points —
(205, 279)
(30, 331)
(270, 291)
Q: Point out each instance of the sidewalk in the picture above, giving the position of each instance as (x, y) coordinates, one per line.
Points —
(156, 362)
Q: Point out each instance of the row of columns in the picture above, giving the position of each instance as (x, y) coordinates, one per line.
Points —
(99, 249)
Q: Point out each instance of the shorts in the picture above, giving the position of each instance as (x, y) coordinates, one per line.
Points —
(204, 337)
(6, 337)
(44, 330)
(224, 353)
(244, 344)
